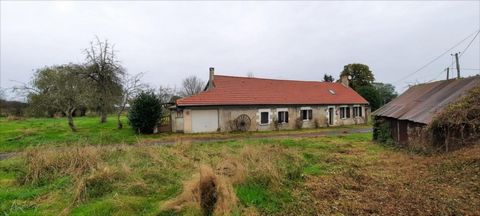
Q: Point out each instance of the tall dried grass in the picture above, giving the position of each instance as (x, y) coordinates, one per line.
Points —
(207, 191)
(98, 183)
(48, 164)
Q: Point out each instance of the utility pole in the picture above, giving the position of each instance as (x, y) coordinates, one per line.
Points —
(458, 65)
(448, 73)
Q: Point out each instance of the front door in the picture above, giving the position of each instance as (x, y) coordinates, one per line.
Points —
(331, 115)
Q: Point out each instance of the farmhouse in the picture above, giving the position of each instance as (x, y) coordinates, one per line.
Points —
(409, 115)
(255, 104)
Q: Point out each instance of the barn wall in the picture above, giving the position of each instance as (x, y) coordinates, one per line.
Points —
(404, 132)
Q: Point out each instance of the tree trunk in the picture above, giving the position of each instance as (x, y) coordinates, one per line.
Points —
(103, 116)
(70, 122)
(119, 124)
(103, 105)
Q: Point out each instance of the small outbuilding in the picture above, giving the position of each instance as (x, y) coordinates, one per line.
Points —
(231, 103)
(418, 116)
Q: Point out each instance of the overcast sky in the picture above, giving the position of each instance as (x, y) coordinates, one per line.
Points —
(287, 40)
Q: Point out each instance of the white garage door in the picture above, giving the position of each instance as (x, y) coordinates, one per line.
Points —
(204, 121)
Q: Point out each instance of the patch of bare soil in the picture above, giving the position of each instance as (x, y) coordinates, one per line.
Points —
(403, 184)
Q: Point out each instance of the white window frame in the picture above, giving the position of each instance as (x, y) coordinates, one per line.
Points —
(359, 109)
(306, 108)
(282, 110)
(260, 111)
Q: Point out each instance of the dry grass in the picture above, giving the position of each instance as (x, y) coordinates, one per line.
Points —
(47, 164)
(232, 170)
(207, 191)
(15, 118)
(98, 183)
(212, 189)
(314, 176)
(400, 184)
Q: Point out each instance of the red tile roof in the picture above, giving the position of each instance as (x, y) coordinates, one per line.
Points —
(231, 90)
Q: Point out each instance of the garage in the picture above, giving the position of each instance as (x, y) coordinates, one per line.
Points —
(204, 121)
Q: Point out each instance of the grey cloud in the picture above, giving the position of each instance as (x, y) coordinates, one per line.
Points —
(289, 40)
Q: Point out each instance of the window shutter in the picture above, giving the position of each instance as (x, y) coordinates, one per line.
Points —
(286, 117)
(310, 114)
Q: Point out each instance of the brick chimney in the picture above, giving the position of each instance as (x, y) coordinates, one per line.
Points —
(344, 80)
(210, 78)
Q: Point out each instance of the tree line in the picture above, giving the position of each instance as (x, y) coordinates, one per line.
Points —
(362, 80)
(100, 84)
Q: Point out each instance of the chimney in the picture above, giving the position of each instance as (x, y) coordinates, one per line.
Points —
(210, 78)
(212, 72)
(344, 80)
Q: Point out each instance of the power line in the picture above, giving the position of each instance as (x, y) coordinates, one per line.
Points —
(464, 50)
(468, 68)
(438, 57)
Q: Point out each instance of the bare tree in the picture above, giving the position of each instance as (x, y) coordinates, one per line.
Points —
(58, 87)
(2, 99)
(167, 94)
(2, 93)
(132, 86)
(105, 71)
(192, 85)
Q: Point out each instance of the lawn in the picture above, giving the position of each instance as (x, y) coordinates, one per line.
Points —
(344, 175)
(17, 135)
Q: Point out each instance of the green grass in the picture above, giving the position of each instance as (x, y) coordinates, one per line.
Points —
(259, 196)
(16, 135)
(155, 174)
(344, 175)
(19, 134)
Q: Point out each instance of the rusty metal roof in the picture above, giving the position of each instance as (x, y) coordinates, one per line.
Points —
(420, 102)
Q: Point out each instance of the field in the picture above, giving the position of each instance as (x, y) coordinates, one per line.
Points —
(17, 135)
(123, 175)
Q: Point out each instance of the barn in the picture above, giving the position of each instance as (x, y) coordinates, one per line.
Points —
(409, 116)
(230, 103)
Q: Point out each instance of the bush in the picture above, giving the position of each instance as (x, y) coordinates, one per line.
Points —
(298, 123)
(381, 131)
(458, 124)
(316, 122)
(145, 112)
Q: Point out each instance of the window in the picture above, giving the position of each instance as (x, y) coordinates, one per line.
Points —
(264, 118)
(344, 112)
(283, 117)
(357, 111)
(306, 114)
(179, 114)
